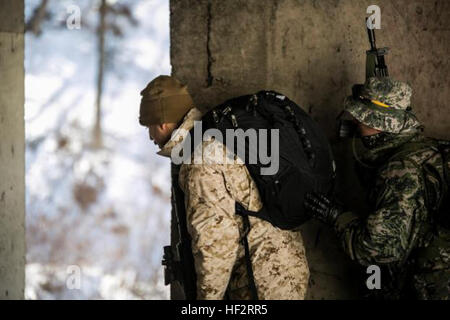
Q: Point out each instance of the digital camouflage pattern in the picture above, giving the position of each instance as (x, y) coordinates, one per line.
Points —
(396, 117)
(400, 233)
(278, 257)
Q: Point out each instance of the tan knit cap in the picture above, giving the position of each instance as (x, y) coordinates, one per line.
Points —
(164, 100)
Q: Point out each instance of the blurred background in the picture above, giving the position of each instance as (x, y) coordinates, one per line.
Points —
(97, 195)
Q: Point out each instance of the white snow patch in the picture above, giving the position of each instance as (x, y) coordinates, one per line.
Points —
(106, 211)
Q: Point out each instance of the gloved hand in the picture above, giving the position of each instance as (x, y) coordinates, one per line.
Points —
(320, 207)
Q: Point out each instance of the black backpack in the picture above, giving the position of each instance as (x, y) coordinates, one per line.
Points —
(306, 162)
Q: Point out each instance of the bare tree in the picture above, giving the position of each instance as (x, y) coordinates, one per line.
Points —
(105, 26)
(107, 22)
(97, 134)
(39, 15)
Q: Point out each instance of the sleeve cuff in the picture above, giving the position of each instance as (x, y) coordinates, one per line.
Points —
(344, 220)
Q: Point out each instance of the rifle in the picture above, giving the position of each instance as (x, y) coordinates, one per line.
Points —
(375, 64)
(178, 260)
(375, 67)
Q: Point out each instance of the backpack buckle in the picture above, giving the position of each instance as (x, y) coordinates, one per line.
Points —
(215, 116)
(254, 100)
(234, 121)
(226, 110)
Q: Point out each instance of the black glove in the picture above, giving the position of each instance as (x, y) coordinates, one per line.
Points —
(320, 207)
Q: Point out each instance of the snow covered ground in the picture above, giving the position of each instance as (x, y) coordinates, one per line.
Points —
(103, 212)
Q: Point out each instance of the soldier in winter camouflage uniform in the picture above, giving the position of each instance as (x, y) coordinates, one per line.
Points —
(210, 191)
(401, 234)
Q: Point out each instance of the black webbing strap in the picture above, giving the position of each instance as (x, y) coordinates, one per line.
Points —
(251, 278)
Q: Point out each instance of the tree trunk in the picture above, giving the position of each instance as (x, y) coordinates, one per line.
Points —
(97, 134)
(34, 24)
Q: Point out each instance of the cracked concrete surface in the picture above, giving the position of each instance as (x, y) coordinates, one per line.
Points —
(313, 51)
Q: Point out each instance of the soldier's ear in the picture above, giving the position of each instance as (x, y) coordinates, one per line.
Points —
(167, 126)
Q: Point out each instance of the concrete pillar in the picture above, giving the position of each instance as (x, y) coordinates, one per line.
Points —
(313, 51)
(12, 150)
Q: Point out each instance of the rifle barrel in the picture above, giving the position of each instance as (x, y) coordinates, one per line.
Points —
(371, 34)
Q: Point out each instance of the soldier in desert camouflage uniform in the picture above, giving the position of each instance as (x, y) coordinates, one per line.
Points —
(210, 192)
(401, 234)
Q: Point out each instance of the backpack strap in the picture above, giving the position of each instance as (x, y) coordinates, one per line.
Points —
(248, 261)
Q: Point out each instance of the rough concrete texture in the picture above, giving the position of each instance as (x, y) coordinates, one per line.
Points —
(313, 51)
(11, 16)
(12, 151)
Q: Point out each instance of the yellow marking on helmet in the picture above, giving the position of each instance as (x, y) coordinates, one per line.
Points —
(379, 103)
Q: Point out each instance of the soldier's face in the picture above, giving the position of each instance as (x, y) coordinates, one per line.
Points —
(365, 131)
(160, 133)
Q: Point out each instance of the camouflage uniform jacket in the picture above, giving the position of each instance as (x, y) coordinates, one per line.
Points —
(278, 257)
(400, 227)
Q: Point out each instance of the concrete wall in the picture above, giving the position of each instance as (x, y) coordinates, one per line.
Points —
(313, 51)
(12, 150)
